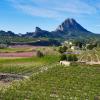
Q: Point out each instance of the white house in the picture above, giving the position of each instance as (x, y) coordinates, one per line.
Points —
(66, 63)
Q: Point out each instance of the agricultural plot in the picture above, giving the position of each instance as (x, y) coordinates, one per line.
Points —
(26, 51)
(20, 68)
(12, 49)
(57, 83)
(21, 65)
(90, 56)
(42, 78)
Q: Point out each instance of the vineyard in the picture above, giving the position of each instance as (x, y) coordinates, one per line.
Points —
(47, 80)
(62, 83)
(43, 78)
(90, 57)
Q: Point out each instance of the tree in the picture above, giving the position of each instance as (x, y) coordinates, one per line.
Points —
(79, 44)
(62, 49)
(62, 57)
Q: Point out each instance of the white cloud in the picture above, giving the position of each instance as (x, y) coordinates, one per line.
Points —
(53, 8)
(34, 11)
(30, 9)
(77, 6)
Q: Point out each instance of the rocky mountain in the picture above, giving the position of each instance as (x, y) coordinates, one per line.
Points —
(72, 29)
(69, 29)
(70, 25)
(39, 33)
(9, 33)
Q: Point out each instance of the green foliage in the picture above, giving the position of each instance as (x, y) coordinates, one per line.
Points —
(79, 44)
(8, 40)
(25, 65)
(56, 82)
(71, 57)
(90, 47)
(62, 49)
(62, 57)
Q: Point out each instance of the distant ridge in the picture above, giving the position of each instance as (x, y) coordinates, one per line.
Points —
(69, 29)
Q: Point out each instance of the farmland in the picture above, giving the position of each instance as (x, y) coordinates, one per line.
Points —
(43, 78)
(26, 51)
(59, 82)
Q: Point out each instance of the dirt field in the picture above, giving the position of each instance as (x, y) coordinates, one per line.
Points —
(19, 51)
(20, 54)
(25, 51)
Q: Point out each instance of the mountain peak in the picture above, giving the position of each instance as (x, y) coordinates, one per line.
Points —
(70, 25)
(70, 21)
(37, 29)
(69, 28)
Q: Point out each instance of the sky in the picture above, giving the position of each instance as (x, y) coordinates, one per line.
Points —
(21, 16)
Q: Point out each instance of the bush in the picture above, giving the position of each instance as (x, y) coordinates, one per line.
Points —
(62, 57)
(90, 47)
(39, 54)
(71, 57)
(62, 49)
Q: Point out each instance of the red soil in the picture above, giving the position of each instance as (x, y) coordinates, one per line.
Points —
(20, 54)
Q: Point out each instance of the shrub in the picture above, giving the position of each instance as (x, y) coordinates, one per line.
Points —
(62, 49)
(90, 47)
(62, 57)
(71, 57)
(39, 54)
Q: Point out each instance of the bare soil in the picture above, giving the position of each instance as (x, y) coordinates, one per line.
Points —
(6, 77)
(18, 54)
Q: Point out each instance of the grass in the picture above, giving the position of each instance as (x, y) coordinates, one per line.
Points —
(58, 83)
(50, 81)
(25, 65)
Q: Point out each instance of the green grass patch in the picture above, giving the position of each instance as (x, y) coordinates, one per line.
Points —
(58, 83)
(25, 65)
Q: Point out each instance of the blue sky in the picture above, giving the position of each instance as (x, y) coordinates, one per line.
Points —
(23, 16)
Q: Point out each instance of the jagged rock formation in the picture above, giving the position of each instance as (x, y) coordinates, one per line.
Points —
(69, 29)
